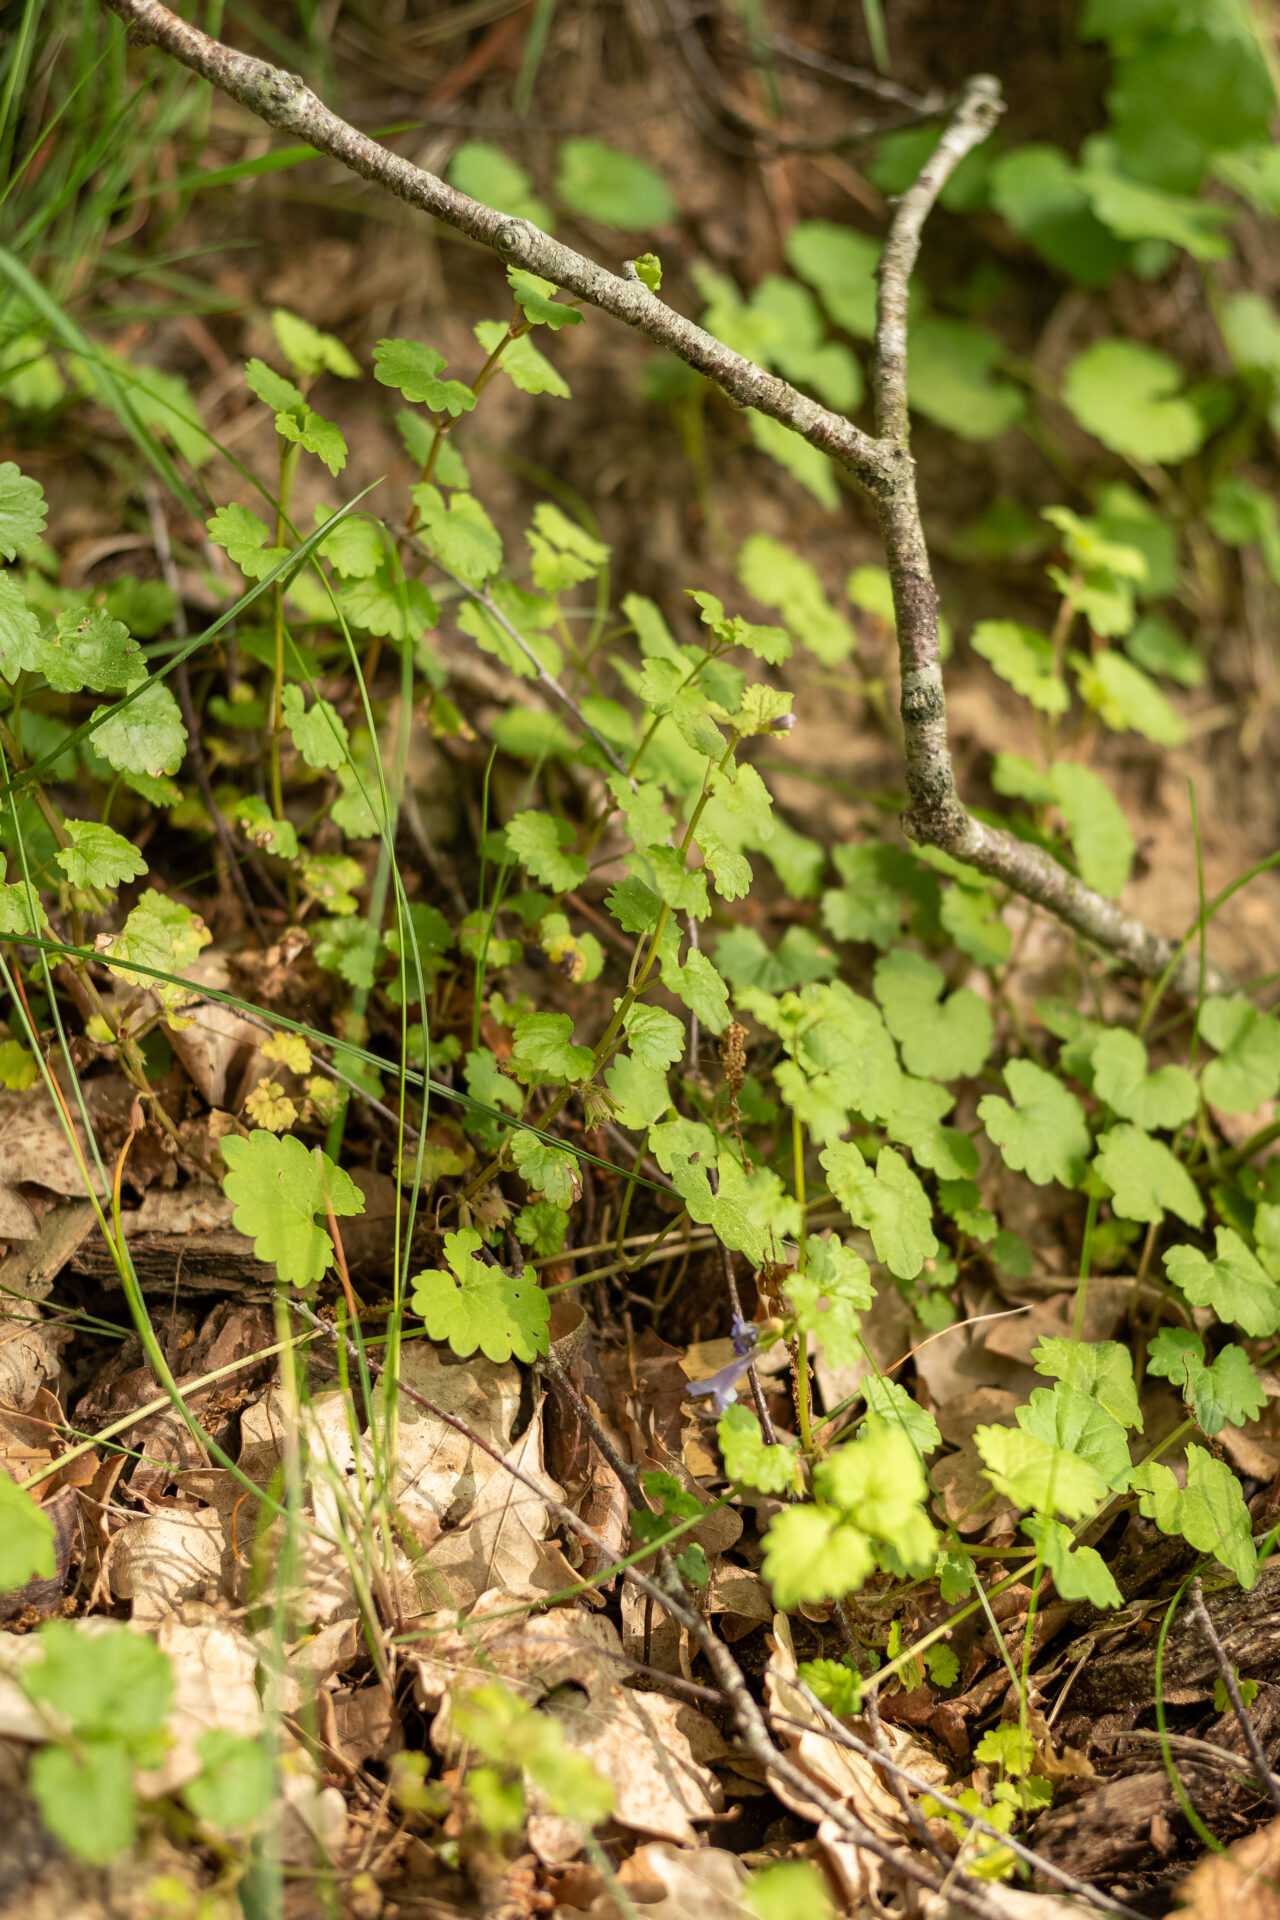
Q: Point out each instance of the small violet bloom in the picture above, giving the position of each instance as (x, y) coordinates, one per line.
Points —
(723, 1386)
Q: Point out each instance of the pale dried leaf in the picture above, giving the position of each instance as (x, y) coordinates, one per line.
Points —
(214, 1663)
(165, 1558)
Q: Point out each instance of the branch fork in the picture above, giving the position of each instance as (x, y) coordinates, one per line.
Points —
(881, 465)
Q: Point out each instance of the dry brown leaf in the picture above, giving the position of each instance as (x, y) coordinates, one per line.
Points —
(214, 1664)
(217, 1047)
(655, 1751)
(441, 1472)
(847, 1776)
(30, 1348)
(676, 1883)
(1243, 1882)
(505, 1541)
(164, 1559)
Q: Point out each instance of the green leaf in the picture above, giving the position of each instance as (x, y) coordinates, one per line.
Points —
(841, 263)
(1127, 699)
(21, 648)
(90, 650)
(537, 298)
(315, 435)
(319, 731)
(534, 838)
(656, 1037)
(1229, 1390)
(478, 1306)
(1024, 658)
(616, 188)
(22, 510)
(1101, 1369)
(840, 1690)
(790, 1889)
(86, 1798)
(939, 1040)
(542, 1227)
(523, 365)
(460, 533)
(26, 1538)
(564, 553)
(640, 1093)
(347, 947)
(813, 1553)
(277, 1188)
(512, 1734)
(1079, 1573)
(487, 174)
(1037, 1475)
(805, 463)
(702, 990)
(829, 1297)
(310, 352)
(414, 370)
(386, 603)
(1145, 1178)
(116, 1684)
(1166, 1099)
(1074, 1421)
(1127, 397)
(542, 1049)
(1104, 846)
(798, 959)
(1209, 1512)
(951, 379)
(158, 933)
(236, 1783)
(550, 1171)
(147, 736)
(879, 1483)
(649, 269)
(1138, 212)
(1235, 1285)
(894, 1406)
(970, 916)
(778, 577)
(246, 541)
(746, 1457)
(1044, 1133)
(891, 1204)
(98, 856)
(1246, 1072)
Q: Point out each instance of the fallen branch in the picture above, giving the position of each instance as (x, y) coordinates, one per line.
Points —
(882, 466)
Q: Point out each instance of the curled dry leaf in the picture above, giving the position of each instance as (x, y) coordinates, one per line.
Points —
(218, 1045)
(441, 1472)
(214, 1664)
(1241, 1882)
(31, 1349)
(675, 1883)
(842, 1773)
(505, 1541)
(656, 1752)
(162, 1560)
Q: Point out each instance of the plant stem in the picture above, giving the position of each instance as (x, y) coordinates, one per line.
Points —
(801, 1355)
(288, 467)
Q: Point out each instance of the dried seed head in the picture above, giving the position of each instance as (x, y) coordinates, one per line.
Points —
(733, 1056)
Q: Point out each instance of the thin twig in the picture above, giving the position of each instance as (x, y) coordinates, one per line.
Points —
(1232, 1685)
(483, 598)
(842, 1737)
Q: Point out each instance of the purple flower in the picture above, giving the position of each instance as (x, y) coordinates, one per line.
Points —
(723, 1386)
